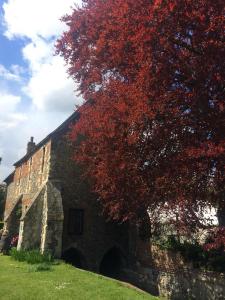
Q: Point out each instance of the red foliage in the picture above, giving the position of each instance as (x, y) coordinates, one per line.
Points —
(153, 72)
(14, 241)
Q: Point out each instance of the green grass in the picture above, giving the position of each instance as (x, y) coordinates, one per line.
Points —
(31, 256)
(20, 281)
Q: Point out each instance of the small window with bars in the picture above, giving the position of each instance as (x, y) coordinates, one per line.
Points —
(76, 222)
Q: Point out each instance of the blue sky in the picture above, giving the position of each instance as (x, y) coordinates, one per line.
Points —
(10, 51)
(36, 94)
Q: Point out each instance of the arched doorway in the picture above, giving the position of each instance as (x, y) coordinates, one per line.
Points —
(75, 258)
(112, 263)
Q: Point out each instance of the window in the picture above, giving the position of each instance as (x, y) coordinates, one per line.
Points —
(76, 221)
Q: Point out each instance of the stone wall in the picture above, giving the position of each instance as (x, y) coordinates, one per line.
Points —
(98, 235)
(42, 224)
(166, 274)
(191, 284)
(31, 223)
(52, 221)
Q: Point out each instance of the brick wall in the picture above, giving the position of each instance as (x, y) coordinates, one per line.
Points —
(28, 178)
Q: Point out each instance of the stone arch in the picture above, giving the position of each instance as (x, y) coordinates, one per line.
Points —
(113, 263)
(74, 257)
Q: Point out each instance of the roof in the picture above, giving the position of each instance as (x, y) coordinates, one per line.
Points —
(64, 125)
(9, 178)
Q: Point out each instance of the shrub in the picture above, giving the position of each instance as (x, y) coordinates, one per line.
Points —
(31, 256)
(18, 255)
(35, 257)
(207, 257)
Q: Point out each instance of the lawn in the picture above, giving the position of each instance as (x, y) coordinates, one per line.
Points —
(19, 281)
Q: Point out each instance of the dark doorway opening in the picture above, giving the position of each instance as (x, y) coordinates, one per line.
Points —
(112, 264)
(75, 258)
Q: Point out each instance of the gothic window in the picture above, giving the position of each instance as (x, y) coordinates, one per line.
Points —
(76, 221)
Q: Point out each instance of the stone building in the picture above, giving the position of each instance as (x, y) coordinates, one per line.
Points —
(51, 208)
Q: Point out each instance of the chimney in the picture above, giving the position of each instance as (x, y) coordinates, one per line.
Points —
(30, 145)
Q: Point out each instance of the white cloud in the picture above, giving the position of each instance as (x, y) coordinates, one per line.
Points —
(37, 53)
(9, 75)
(35, 18)
(48, 87)
(8, 102)
(10, 120)
(9, 117)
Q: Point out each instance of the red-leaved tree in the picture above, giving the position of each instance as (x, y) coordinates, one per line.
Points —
(152, 74)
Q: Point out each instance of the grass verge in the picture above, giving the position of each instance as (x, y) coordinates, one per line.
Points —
(20, 282)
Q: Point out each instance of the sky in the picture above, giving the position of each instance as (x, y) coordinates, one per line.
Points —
(36, 94)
